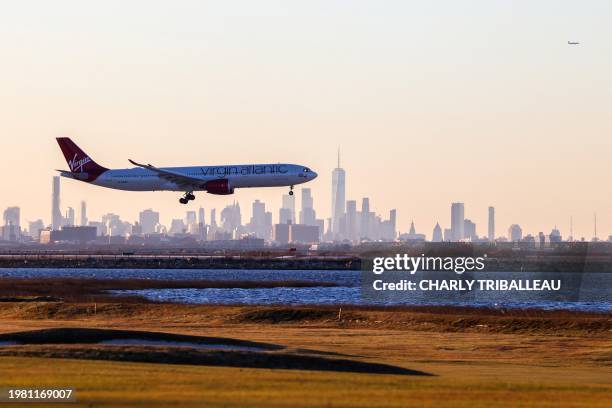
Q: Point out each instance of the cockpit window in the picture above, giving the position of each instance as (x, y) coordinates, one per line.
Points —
(306, 170)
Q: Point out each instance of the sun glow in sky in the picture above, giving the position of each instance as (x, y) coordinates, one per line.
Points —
(431, 102)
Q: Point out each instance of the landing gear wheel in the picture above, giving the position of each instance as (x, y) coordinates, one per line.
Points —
(187, 197)
(290, 190)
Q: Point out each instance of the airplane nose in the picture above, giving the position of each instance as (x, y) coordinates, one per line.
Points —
(314, 175)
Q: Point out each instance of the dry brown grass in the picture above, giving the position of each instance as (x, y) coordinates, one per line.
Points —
(477, 357)
(440, 319)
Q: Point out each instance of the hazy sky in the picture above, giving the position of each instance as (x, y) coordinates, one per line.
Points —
(431, 101)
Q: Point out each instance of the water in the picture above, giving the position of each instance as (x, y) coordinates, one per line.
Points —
(341, 278)
(166, 343)
(589, 291)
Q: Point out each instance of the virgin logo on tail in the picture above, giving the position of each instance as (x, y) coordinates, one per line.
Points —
(76, 166)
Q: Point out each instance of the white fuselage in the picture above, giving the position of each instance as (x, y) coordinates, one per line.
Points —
(238, 176)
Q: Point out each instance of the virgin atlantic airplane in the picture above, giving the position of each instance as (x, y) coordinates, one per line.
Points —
(212, 179)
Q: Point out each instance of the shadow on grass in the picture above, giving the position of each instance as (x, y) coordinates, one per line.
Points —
(168, 348)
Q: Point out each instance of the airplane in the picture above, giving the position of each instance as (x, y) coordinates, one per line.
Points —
(573, 43)
(222, 179)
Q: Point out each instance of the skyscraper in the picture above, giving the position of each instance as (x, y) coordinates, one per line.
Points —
(448, 234)
(437, 233)
(213, 224)
(213, 217)
(338, 199)
(56, 214)
(12, 224)
(365, 218)
(393, 223)
(201, 225)
(70, 217)
(412, 235)
(515, 233)
(261, 221)
(191, 222)
(457, 221)
(83, 214)
(307, 213)
(258, 212)
(281, 233)
(114, 225)
(284, 216)
(34, 229)
(201, 216)
(12, 216)
(231, 218)
(469, 230)
(177, 227)
(191, 217)
(491, 235)
(289, 204)
(352, 223)
(268, 226)
(555, 235)
(148, 221)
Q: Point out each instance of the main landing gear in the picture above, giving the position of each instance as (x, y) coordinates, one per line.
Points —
(291, 190)
(187, 197)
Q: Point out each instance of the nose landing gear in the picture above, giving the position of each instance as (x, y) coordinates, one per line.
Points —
(291, 190)
(187, 197)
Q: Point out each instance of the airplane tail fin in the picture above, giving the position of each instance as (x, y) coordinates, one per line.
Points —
(78, 160)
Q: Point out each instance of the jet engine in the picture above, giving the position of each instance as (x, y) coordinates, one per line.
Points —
(220, 187)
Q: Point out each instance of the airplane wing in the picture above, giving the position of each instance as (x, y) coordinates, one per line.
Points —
(187, 182)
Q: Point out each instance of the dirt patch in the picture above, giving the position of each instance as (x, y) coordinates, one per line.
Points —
(284, 315)
(30, 299)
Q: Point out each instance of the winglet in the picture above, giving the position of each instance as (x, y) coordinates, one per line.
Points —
(146, 166)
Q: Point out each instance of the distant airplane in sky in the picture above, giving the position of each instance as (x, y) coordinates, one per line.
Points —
(572, 43)
(221, 179)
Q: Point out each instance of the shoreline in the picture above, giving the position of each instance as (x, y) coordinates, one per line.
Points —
(75, 261)
(284, 261)
(105, 290)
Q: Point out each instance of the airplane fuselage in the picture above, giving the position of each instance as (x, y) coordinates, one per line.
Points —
(237, 176)
(223, 179)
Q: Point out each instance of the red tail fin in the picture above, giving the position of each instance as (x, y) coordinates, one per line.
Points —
(78, 160)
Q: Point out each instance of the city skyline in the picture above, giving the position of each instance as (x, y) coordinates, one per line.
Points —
(350, 225)
(431, 104)
(286, 210)
(581, 226)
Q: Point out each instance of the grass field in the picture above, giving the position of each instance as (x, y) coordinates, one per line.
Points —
(542, 360)
(119, 383)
